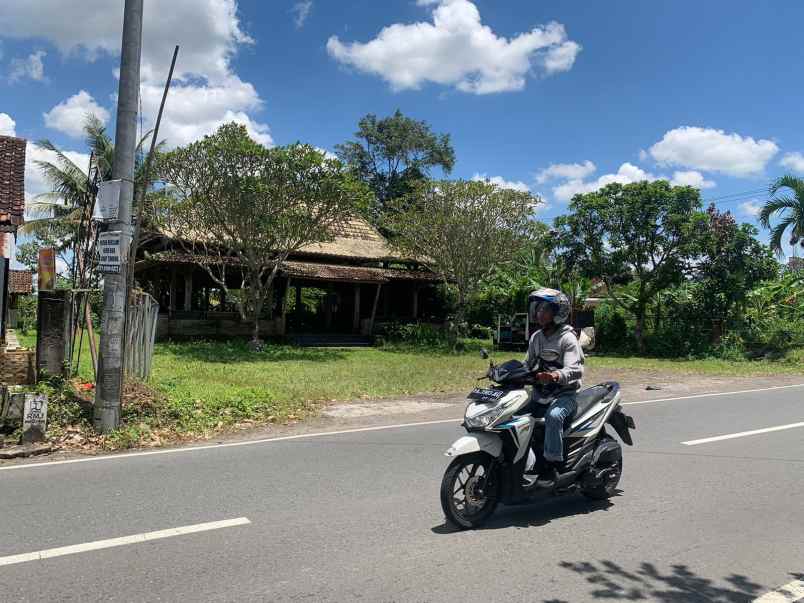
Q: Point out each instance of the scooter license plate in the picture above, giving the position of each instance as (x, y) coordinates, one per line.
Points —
(486, 395)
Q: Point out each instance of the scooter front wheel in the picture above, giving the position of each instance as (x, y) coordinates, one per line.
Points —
(469, 490)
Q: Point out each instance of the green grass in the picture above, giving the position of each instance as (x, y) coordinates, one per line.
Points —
(791, 364)
(198, 388)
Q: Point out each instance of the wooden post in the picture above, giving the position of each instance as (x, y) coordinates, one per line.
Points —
(173, 290)
(93, 350)
(283, 306)
(374, 309)
(328, 307)
(188, 291)
(297, 310)
(356, 321)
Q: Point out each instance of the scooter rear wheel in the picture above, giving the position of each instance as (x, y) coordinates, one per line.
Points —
(607, 488)
(468, 492)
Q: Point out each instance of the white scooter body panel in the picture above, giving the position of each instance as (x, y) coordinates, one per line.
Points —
(475, 442)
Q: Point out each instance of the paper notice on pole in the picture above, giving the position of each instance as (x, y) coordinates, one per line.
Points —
(108, 200)
(110, 252)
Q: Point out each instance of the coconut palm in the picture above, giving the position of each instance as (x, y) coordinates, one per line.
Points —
(788, 207)
(56, 216)
(70, 186)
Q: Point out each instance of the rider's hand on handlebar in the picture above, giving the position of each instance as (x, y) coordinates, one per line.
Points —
(545, 378)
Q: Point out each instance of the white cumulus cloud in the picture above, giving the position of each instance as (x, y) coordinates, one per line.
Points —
(691, 178)
(457, 49)
(502, 182)
(8, 127)
(208, 31)
(566, 171)
(301, 11)
(794, 161)
(626, 174)
(198, 110)
(30, 67)
(35, 182)
(70, 115)
(713, 150)
(750, 208)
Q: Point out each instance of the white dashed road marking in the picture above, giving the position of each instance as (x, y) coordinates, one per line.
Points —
(114, 542)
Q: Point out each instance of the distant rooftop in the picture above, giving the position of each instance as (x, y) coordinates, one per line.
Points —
(12, 183)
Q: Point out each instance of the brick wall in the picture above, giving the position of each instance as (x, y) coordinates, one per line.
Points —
(17, 367)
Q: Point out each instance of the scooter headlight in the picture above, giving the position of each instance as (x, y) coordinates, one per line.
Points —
(483, 420)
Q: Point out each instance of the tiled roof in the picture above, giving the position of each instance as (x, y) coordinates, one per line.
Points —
(12, 180)
(20, 281)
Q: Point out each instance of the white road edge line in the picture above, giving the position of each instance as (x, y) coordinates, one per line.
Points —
(114, 542)
(742, 434)
(744, 391)
(790, 592)
(322, 434)
(126, 455)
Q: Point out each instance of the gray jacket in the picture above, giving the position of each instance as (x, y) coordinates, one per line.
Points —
(560, 352)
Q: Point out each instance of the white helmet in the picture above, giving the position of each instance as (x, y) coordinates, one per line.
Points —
(557, 300)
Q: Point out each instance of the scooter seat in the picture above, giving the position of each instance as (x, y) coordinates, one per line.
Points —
(605, 392)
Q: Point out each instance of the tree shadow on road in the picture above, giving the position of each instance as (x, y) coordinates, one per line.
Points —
(679, 583)
(536, 514)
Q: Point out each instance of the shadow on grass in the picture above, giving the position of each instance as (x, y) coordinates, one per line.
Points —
(227, 352)
(610, 580)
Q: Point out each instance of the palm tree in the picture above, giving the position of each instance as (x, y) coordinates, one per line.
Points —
(58, 214)
(790, 208)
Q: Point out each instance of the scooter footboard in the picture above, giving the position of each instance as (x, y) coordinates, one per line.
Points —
(476, 442)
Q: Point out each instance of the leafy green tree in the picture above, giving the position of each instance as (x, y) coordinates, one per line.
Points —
(241, 209)
(645, 232)
(789, 207)
(392, 154)
(462, 231)
(733, 263)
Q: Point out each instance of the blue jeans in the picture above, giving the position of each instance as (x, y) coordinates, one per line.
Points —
(560, 408)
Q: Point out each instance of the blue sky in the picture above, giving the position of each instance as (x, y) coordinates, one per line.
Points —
(706, 93)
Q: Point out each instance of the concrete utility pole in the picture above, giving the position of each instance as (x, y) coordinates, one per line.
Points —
(110, 364)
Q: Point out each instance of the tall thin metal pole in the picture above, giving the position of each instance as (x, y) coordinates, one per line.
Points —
(110, 363)
(143, 189)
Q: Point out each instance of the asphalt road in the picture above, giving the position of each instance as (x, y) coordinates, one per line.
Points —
(356, 516)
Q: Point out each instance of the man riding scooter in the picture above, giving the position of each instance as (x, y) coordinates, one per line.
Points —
(555, 355)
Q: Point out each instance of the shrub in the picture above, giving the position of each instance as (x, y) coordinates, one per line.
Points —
(611, 329)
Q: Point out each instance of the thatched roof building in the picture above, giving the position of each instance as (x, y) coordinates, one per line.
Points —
(345, 286)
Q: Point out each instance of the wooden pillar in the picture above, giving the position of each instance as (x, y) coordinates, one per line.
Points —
(374, 309)
(297, 310)
(356, 321)
(173, 289)
(283, 307)
(415, 301)
(188, 291)
(328, 307)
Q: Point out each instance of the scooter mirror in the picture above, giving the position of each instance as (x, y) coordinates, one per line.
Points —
(484, 354)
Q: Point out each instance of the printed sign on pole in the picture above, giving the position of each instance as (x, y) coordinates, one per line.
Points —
(108, 200)
(47, 269)
(110, 254)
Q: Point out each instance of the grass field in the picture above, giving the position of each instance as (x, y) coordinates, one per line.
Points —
(205, 386)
